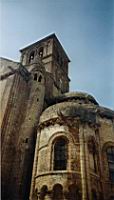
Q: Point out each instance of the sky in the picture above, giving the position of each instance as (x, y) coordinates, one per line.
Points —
(84, 27)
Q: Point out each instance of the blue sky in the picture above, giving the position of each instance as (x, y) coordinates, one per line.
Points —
(85, 29)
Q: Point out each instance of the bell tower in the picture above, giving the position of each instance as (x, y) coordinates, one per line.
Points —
(55, 61)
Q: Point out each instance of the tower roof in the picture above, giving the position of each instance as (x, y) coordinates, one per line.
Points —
(52, 36)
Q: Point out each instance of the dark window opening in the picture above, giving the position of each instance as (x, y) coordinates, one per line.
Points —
(31, 57)
(35, 77)
(43, 192)
(60, 155)
(94, 195)
(110, 153)
(41, 52)
(110, 157)
(57, 192)
(26, 140)
(40, 78)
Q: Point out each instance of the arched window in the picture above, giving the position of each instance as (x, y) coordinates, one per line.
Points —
(57, 192)
(110, 158)
(40, 52)
(60, 154)
(40, 78)
(35, 77)
(43, 192)
(31, 57)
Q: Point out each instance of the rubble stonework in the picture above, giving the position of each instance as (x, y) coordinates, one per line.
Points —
(56, 144)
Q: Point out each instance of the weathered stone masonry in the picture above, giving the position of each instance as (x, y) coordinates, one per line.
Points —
(80, 123)
(55, 144)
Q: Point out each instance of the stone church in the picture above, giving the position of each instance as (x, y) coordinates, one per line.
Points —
(55, 144)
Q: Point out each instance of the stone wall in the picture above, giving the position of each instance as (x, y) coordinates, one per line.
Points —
(23, 108)
(7, 71)
(13, 119)
(87, 168)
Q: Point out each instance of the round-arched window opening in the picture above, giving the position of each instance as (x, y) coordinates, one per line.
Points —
(40, 78)
(57, 192)
(31, 57)
(43, 192)
(35, 77)
(40, 52)
(60, 154)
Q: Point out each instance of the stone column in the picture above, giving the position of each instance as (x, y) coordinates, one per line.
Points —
(83, 163)
(87, 166)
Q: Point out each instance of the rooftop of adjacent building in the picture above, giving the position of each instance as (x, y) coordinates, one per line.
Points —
(7, 67)
(76, 104)
(75, 96)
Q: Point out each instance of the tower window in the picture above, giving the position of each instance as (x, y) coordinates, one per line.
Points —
(31, 57)
(35, 77)
(26, 140)
(40, 78)
(41, 52)
(60, 155)
(110, 157)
